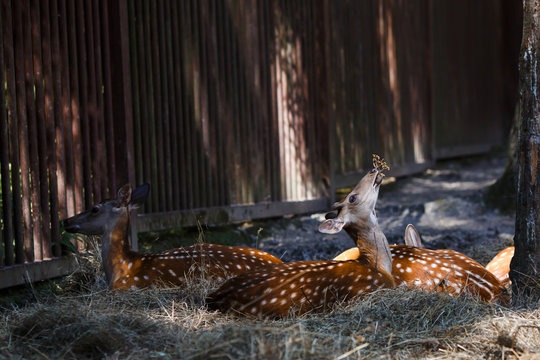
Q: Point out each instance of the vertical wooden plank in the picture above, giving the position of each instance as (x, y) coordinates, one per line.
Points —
(108, 96)
(57, 122)
(192, 74)
(252, 63)
(74, 128)
(96, 148)
(84, 106)
(163, 26)
(66, 111)
(134, 50)
(272, 98)
(233, 121)
(7, 209)
(151, 119)
(48, 80)
(159, 145)
(39, 67)
(173, 81)
(37, 224)
(245, 146)
(209, 46)
(223, 105)
(327, 125)
(24, 249)
(263, 98)
(14, 137)
(177, 64)
(115, 15)
(201, 106)
(100, 87)
(145, 115)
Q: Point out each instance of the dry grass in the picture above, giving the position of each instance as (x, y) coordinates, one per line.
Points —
(82, 319)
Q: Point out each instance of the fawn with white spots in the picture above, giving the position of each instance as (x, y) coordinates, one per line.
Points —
(439, 270)
(305, 286)
(128, 269)
(500, 265)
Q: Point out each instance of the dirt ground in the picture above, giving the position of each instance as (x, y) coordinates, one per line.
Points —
(444, 203)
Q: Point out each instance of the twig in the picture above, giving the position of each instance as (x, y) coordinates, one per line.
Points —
(350, 352)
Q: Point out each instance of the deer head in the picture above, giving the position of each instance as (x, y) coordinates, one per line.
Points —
(102, 217)
(356, 214)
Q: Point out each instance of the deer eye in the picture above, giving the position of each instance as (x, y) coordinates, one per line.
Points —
(95, 209)
(352, 198)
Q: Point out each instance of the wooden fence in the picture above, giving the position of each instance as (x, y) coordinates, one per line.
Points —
(232, 109)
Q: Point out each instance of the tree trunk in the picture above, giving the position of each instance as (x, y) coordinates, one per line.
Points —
(525, 266)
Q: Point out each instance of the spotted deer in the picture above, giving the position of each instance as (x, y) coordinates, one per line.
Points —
(440, 270)
(500, 265)
(128, 269)
(299, 287)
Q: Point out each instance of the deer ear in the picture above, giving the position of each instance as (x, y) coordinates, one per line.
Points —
(412, 237)
(139, 195)
(331, 226)
(124, 196)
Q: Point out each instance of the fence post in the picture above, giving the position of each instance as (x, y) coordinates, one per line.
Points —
(121, 91)
(122, 100)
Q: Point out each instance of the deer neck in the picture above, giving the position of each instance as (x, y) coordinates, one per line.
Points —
(372, 243)
(115, 250)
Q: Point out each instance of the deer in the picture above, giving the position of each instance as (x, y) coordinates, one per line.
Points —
(500, 265)
(301, 287)
(128, 269)
(438, 270)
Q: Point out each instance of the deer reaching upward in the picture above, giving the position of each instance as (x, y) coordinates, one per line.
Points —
(126, 268)
(305, 286)
(439, 270)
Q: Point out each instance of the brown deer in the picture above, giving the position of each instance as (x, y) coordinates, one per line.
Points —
(128, 269)
(305, 286)
(500, 265)
(440, 270)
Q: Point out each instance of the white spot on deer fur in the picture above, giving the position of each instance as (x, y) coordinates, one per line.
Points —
(283, 302)
(133, 287)
(253, 310)
(273, 300)
(136, 278)
(145, 277)
(398, 265)
(124, 281)
(172, 272)
(130, 265)
(409, 270)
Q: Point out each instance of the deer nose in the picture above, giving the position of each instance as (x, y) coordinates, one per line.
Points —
(331, 215)
(71, 227)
